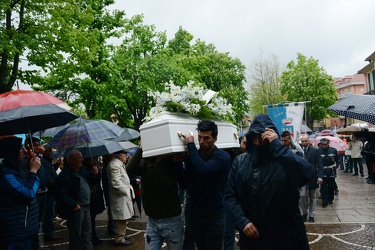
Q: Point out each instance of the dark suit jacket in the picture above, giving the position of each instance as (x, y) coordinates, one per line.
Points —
(314, 158)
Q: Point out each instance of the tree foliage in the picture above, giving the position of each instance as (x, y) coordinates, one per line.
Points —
(146, 60)
(68, 43)
(304, 80)
(265, 83)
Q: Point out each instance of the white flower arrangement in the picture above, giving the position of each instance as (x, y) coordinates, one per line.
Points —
(192, 99)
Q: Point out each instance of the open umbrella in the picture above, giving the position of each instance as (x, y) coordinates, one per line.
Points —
(361, 107)
(83, 132)
(92, 149)
(27, 111)
(334, 142)
(348, 130)
(50, 132)
(128, 134)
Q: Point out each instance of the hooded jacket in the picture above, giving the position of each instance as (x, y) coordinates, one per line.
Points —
(262, 188)
(18, 205)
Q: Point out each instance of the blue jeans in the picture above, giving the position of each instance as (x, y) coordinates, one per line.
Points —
(359, 162)
(166, 229)
(341, 161)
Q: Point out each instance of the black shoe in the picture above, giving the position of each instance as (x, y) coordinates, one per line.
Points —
(355, 174)
(54, 238)
(350, 171)
(362, 175)
(345, 171)
(304, 217)
(336, 192)
(311, 219)
(135, 216)
(369, 182)
(330, 202)
(124, 243)
(324, 205)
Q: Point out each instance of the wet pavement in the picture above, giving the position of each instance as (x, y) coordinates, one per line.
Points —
(348, 223)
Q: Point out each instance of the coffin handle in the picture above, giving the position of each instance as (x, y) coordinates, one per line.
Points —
(181, 135)
(235, 136)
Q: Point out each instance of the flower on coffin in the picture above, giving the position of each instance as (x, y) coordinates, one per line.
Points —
(192, 99)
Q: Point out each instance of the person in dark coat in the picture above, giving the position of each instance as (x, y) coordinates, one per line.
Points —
(18, 205)
(97, 198)
(72, 195)
(308, 193)
(206, 172)
(49, 211)
(262, 191)
(330, 161)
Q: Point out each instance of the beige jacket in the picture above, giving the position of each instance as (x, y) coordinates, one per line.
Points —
(121, 193)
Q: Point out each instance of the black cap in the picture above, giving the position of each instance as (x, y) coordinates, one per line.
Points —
(324, 141)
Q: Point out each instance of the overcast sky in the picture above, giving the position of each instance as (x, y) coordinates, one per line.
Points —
(338, 33)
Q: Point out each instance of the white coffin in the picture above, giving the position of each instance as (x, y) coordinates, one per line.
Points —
(160, 136)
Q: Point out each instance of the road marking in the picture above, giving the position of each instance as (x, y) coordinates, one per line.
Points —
(334, 236)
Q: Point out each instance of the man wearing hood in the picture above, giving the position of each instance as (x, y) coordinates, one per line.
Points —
(262, 190)
(18, 205)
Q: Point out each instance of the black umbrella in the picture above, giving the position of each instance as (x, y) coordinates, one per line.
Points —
(92, 149)
(361, 107)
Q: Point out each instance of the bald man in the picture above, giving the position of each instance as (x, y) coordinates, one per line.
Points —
(308, 192)
(72, 195)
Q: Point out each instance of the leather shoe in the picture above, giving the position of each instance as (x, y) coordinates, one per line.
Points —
(355, 174)
(304, 217)
(324, 205)
(311, 219)
(330, 202)
(54, 238)
(123, 243)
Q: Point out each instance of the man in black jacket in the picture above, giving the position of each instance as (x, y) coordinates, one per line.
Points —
(207, 171)
(262, 191)
(309, 201)
(72, 195)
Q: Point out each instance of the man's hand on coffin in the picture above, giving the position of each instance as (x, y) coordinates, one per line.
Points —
(189, 138)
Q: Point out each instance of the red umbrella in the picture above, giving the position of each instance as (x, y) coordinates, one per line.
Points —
(21, 98)
(26, 111)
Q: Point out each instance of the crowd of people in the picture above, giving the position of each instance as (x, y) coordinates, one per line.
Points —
(265, 189)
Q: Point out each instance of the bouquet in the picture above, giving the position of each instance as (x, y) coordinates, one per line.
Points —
(192, 99)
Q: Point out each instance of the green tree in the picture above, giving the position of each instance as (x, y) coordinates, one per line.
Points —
(146, 60)
(23, 24)
(304, 80)
(264, 83)
(80, 66)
